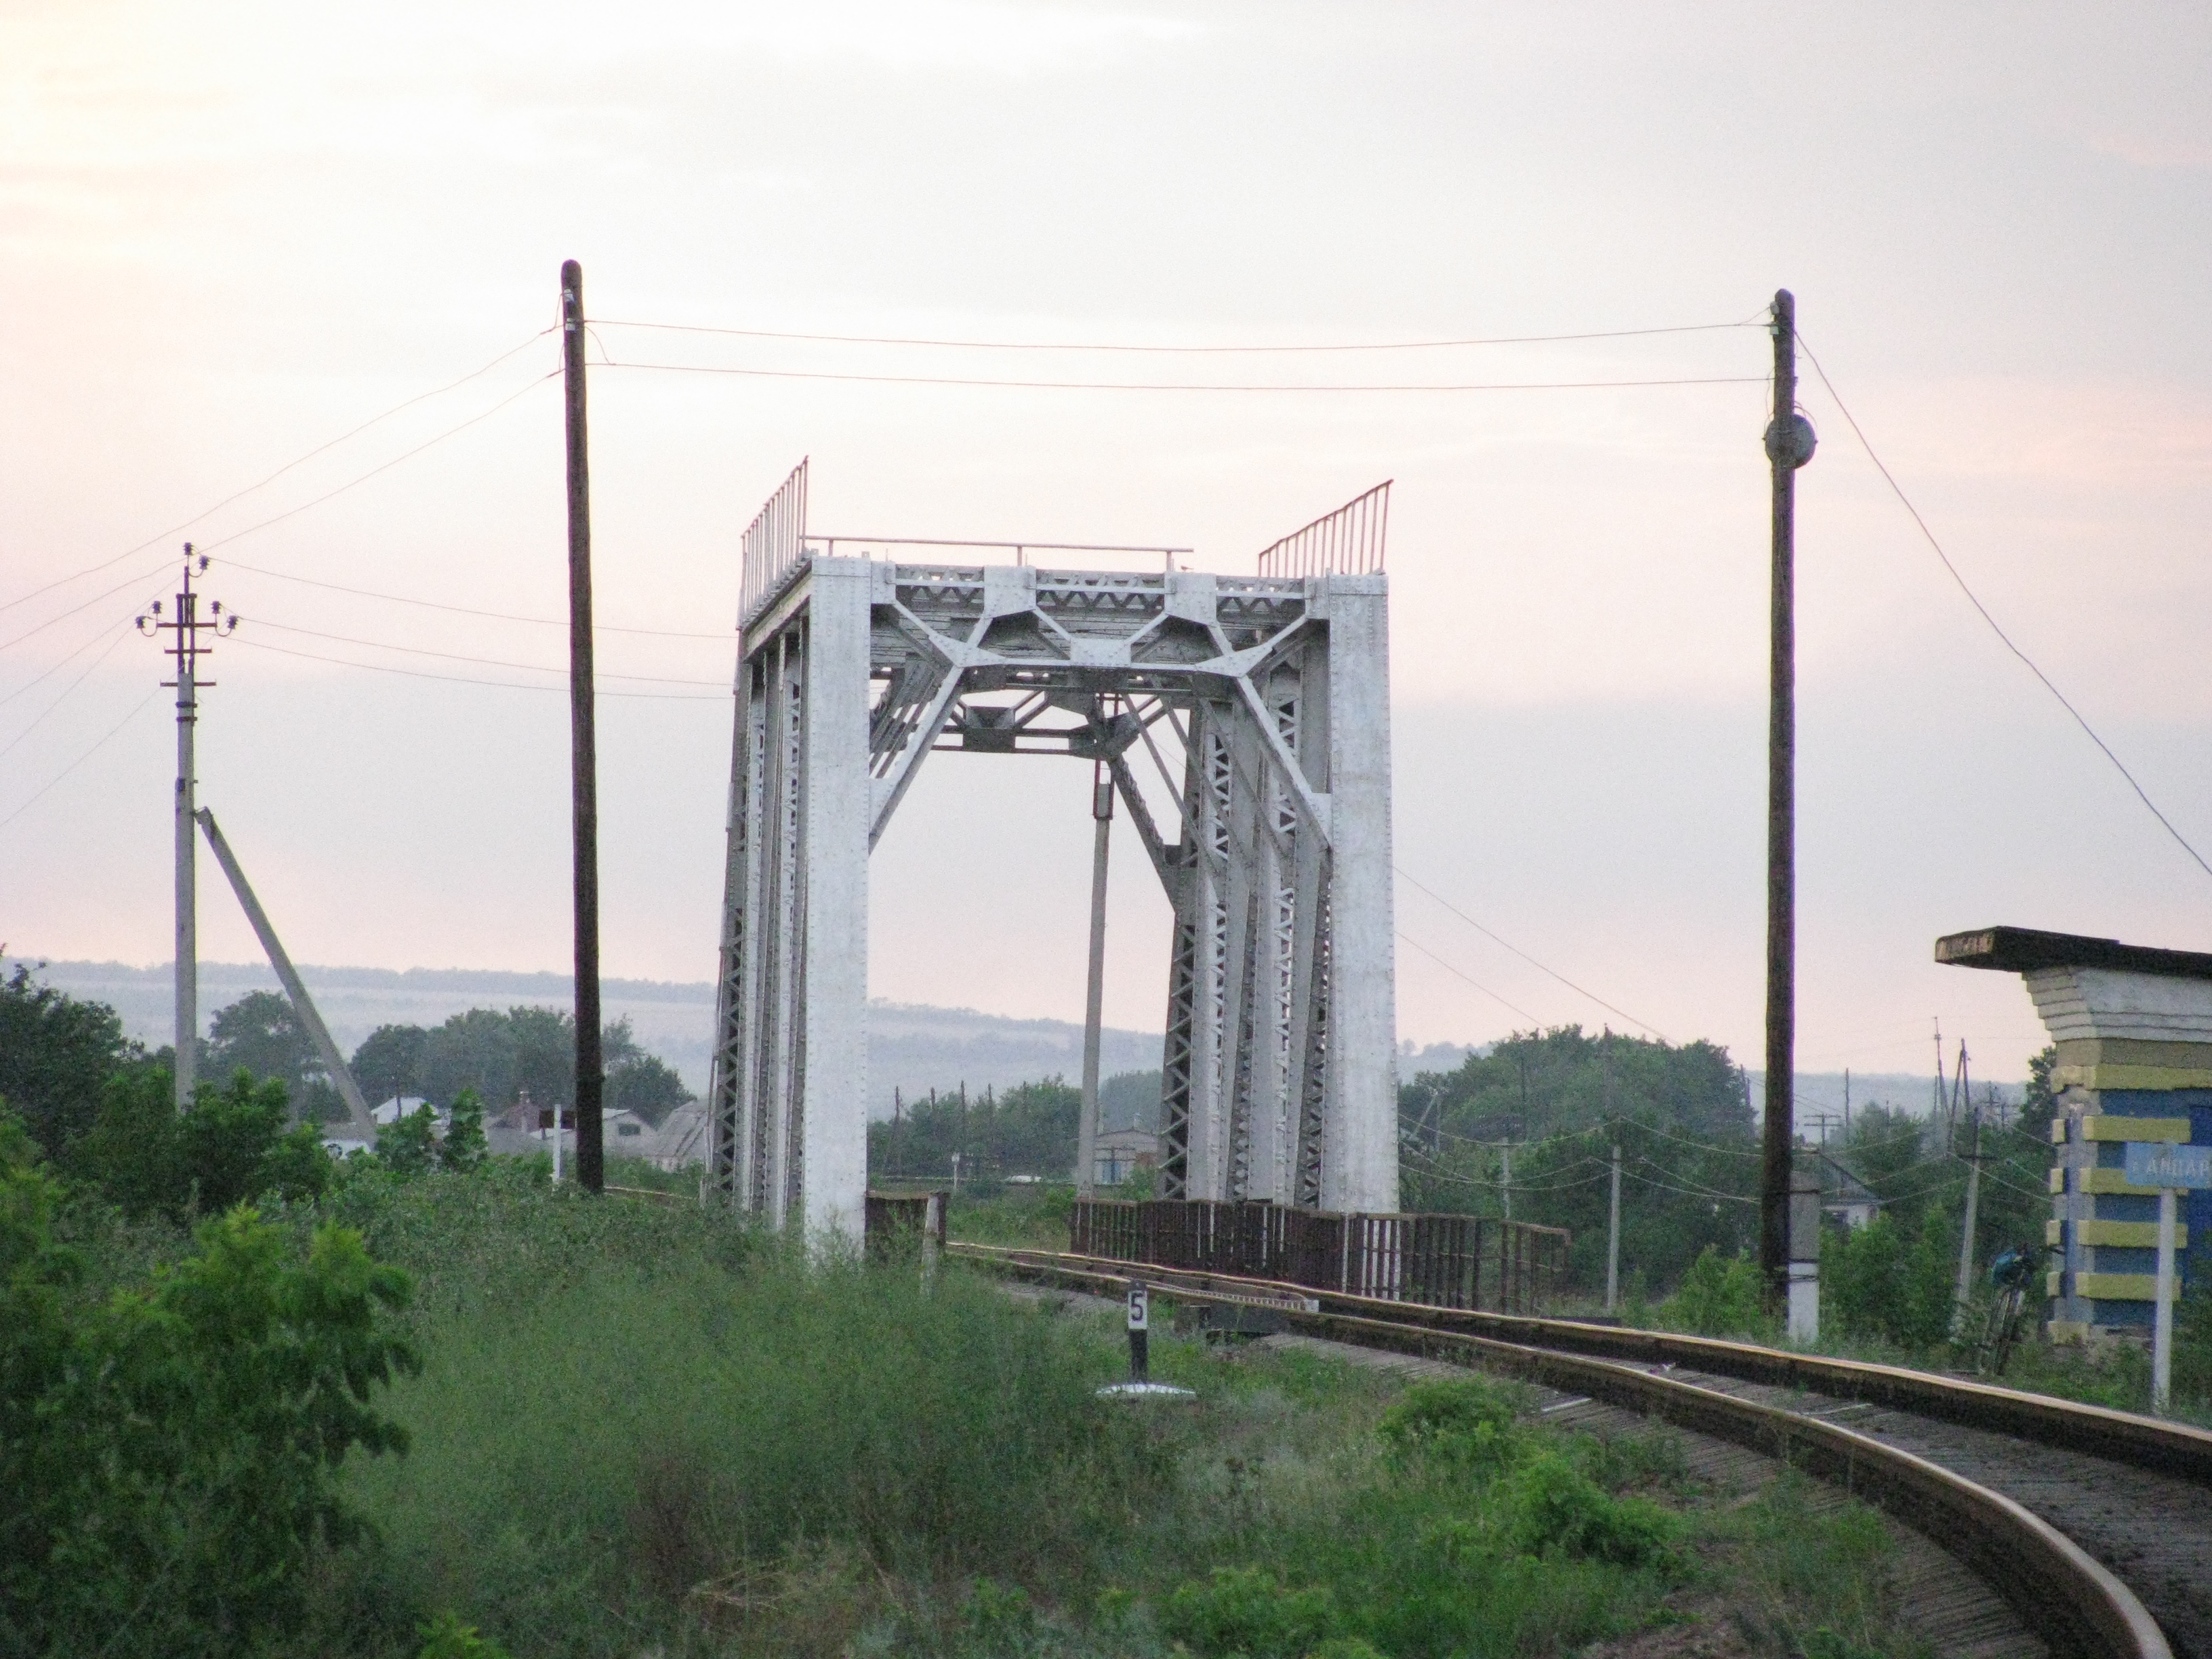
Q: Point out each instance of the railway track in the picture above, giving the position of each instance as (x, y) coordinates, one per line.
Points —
(2095, 1526)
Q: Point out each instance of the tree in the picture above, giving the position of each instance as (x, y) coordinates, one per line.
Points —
(261, 1032)
(1029, 1130)
(464, 1148)
(408, 1146)
(475, 1050)
(55, 1056)
(544, 1054)
(647, 1085)
(171, 1454)
(1561, 1098)
(389, 1062)
(231, 1148)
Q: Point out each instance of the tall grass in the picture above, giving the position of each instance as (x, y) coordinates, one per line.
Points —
(644, 1428)
(621, 1402)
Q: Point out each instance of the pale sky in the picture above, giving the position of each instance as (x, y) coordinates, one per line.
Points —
(231, 234)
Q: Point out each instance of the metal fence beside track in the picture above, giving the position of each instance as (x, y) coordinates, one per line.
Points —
(1437, 1260)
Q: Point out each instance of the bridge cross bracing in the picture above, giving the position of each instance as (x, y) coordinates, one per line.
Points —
(1271, 692)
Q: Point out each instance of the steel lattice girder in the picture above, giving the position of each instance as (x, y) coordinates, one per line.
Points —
(1279, 1066)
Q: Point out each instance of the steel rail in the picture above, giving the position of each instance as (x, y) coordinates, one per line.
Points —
(2064, 1594)
(2150, 1443)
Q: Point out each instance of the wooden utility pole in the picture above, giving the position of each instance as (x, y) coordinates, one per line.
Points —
(591, 1144)
(1789, 447)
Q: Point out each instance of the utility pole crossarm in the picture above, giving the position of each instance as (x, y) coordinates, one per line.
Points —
(288, 975)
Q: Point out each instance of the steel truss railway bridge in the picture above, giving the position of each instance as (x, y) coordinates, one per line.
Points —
(859, 657)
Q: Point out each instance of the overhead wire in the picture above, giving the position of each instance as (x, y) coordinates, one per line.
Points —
(120, 634)
(458, 656)
(1983, 611)
(55, 667)
(406, 455)
(1731, 1198)
(1477, 983)
(1437, 1172)
(1526, 957)
(143, 576)
(97, 746)
(300, 460)
(455, 679)
(1155, 385)
(471, 610)
(1187, 350)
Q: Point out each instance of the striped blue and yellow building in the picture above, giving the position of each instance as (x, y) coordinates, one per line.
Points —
(2132, 1029)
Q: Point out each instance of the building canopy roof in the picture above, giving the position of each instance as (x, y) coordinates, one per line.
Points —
(2024, 950)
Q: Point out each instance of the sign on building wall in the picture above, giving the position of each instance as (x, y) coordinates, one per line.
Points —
(2158, 1163)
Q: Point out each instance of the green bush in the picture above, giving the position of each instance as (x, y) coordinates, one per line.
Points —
(1248, 1612)
(170, 1454)
(1877, 1284)
(1720, 1296)
(1558, 1508)
(1466, 1423)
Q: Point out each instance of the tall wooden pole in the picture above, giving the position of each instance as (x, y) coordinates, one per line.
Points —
(591, 1145)
(1789, 447)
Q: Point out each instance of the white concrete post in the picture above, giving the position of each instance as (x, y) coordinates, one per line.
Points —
(1360, 1171)
(833, 1133)
(1804, 1305)
(2161, 1349)
(1612, 1238)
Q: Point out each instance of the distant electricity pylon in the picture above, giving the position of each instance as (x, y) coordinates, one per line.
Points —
(187, 624)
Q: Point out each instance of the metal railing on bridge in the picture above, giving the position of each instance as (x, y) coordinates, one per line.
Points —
(1443, 1260)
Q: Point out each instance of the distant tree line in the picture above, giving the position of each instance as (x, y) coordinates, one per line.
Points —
(1551, 1104)
(500, 1054)
(1028, 1130)
(497, 1055)
(1526, 1128)
(100, 1110)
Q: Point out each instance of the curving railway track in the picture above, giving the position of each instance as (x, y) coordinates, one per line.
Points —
(2095, 1526)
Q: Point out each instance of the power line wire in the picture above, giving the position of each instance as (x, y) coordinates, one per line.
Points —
(457, 656)
(470, 611)
(55, 667)
(1731, 1198)
(121, 634)
(1155, 385)
(408, 455)
(80, 760)
(1437, 1172)
(133, 581)
(187, 524)
(1477, 983)
(454, 679)
(1064, 345)
(1983, 611)
(1530, 960)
